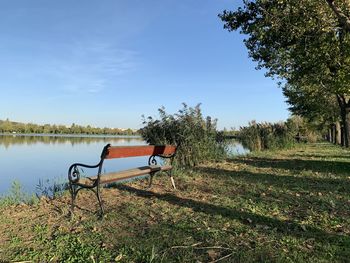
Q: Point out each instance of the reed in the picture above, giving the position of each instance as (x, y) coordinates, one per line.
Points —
(263, 136)
(196, 137)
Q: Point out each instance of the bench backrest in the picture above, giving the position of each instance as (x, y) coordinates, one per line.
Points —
(133, 151)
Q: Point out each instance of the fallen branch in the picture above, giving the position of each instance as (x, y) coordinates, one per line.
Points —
(217, 260)
(194, 246)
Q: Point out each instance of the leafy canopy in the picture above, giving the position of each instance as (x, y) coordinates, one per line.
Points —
(301, 42)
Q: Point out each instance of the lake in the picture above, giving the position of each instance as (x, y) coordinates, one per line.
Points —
(29, 159)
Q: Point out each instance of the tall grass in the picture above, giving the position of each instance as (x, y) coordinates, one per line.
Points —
(263, 136)
(196, 137)
(51, 188)
(17, 195)
(308, 131)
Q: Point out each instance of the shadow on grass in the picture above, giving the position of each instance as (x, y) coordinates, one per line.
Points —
(247, 218)
(289, 194)
(336, 167)
(309, 184)
(345, 156)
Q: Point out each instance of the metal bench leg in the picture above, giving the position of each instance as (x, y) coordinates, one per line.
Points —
(73, 192)
(150, 181)
(172, 180)
(99, 199)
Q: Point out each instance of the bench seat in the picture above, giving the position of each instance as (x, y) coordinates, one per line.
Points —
(123, 175)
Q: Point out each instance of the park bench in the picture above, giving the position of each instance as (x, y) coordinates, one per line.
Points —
(78, 182)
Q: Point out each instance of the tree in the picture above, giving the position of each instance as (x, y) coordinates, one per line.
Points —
(309, 105)
(305, 43)
(7, 126)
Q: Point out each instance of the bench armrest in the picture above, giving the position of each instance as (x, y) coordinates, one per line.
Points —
(152, 159)
(73, 171)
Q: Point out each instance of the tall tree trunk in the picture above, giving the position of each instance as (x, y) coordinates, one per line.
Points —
(329, 137)
(337, 133)
(344, 105)
(333, 133)
(347, 125)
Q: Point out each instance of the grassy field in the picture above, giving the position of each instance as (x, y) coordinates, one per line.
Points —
(283, 206)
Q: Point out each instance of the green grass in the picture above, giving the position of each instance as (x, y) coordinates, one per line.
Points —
(278, 206)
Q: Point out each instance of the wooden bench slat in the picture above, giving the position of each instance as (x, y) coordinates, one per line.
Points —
(144, 150)
(124, 175)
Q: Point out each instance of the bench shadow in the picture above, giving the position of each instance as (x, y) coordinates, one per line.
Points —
(251, 219)
(337, 167)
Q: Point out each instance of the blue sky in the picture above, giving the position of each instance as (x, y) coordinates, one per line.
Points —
(105, 63)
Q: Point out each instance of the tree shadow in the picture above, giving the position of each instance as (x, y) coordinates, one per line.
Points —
(309, 184)
(297, 194)
(345, 156)
(251, 219)
(321, 166)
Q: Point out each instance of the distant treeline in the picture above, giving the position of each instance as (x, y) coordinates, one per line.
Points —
(8, 126)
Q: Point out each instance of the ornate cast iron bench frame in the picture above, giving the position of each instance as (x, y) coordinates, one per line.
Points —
(77, 182)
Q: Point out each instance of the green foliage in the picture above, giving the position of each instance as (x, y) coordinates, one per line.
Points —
(51, 188)
(263, 136)
(71, 248)
(306, 44)
(299, 41)
(314, 106)
(308, 131)
(17, 196)
(65, 247)
(197, 138)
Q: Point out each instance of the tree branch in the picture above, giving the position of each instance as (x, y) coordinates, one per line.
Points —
(343, 19)
(341, 100)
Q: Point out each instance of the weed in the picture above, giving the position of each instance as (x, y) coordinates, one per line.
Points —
(51, 188)
(17, 196)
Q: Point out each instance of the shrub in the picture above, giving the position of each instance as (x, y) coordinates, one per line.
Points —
(263, 136)
(308, 131)
(249, 136)
(196, 138)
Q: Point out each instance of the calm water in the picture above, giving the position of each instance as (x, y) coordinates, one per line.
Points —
(28, 159)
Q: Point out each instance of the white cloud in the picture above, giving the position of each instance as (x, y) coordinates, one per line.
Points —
(89, 67)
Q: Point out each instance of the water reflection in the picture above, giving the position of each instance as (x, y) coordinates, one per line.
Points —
(8, 140)
(235, 148)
